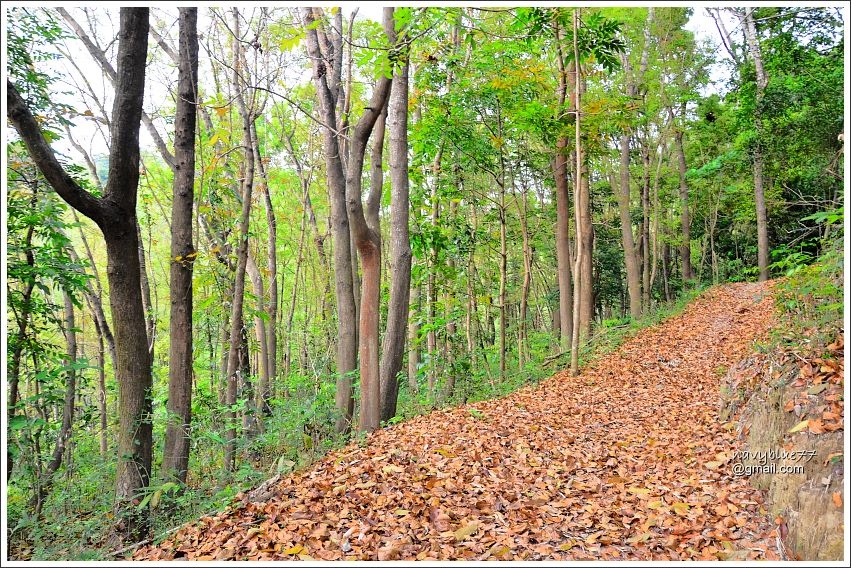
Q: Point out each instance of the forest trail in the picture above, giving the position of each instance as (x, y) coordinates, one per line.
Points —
(628, 460)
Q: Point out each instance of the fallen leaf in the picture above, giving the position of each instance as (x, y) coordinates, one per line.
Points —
(467, 530)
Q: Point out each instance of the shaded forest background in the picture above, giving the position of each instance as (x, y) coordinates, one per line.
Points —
(361, 221)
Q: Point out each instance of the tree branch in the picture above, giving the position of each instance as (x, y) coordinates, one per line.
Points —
(42, 154)
(100, 56)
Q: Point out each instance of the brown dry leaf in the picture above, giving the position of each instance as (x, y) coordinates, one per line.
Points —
(467, 530)
(439, 519)
(837, 499)
(629, 454)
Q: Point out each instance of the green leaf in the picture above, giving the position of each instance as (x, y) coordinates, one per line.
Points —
(18, 422)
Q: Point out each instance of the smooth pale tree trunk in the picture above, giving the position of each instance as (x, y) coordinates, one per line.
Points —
(582, 207)
(115, 215)
(347, 342)
(150, 314)
(179, 408)
(431, 284)
(260, 332)
(400, 246)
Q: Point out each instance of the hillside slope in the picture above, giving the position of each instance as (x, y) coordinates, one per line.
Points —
(628, 460)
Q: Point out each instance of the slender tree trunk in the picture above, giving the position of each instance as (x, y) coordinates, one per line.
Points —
(271, 337)
(586, 236)
(235, 365)
(346, 310)
(747, 20)
(101, 392)
(685, 218)
(580, 206)
(645, 226)
(413, 333)
(179, 407)
(262, 339)
(431, 284)
(666, 270)
(150, 316)
(400, 247)
(563, 255)
(629, 253)
(522, 340)
(64, 438)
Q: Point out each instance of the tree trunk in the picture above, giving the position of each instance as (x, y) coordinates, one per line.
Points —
(522, 339)
(115, 214)
(586, 236)
(685, 219)
(582, 275)
(179, 407)
(64, 437)
(101, 392)
(645, 226)
(262, 341)
(754, 49)
(346, 310)
(413, 333)
(368, 243)
(271, 340)
(400, 247)
(563, 255)
(633, 279)
(236, 317)
(147, 305)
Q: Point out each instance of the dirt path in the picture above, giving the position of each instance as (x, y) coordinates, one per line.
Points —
(626, 461)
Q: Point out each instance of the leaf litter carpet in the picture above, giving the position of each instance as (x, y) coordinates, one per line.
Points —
(628, 460)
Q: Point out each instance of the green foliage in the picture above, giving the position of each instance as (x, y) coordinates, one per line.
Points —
(484, 93)
(812, 296)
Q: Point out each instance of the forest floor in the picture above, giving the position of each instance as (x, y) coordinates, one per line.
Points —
(628, 460)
